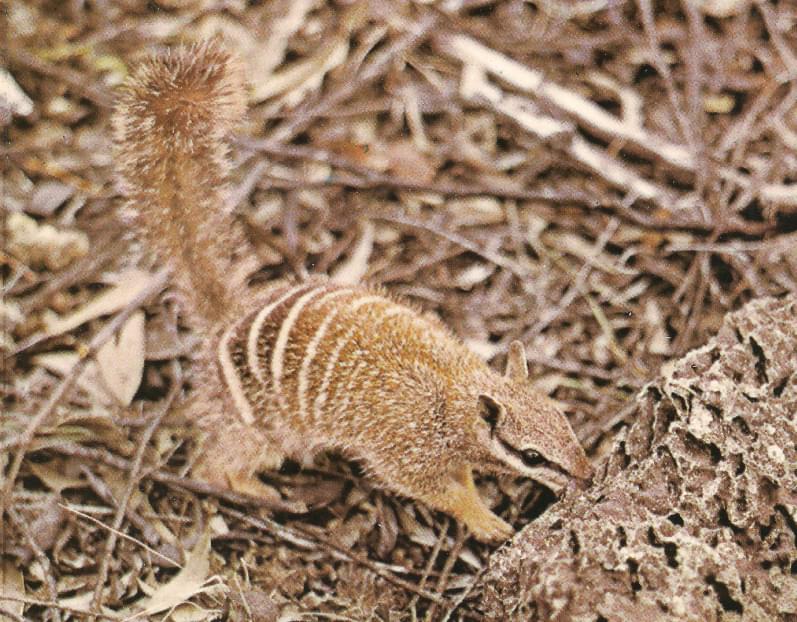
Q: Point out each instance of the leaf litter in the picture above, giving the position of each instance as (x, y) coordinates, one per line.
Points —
(590, 178)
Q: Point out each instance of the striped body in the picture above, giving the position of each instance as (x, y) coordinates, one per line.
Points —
(317, 365)
(328, 366)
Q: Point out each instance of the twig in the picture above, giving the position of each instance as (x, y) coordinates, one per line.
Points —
(121, 534)
(10, 614)
(575, 288)
(445, 573)
(44, 561)
(462, 597)
(429, 565)
(374, 179)
(586, 112)
(476, 87)
(457, 239)
(70, 77)
(55, 605)
(156, 284)
(132, 482)
(290, 532)
(370, 73)
(786, 55)
(648, 23)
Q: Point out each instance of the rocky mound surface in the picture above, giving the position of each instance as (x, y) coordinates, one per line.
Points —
(693, 515)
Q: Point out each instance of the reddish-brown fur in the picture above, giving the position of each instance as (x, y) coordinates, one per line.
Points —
(316, 366)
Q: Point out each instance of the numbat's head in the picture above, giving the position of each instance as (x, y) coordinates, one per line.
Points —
(524, 432)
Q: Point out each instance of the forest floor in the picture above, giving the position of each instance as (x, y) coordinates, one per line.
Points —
(602, 179)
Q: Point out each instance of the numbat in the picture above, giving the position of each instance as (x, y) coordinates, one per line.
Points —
(315, 366)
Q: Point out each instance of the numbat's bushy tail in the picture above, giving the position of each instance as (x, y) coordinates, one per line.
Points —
(171, 121)
(316, 366)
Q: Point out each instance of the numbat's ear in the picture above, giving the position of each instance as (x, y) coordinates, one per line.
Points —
(516, 368)
(490, 410)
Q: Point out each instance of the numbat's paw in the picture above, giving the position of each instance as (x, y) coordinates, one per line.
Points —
(273, 500)
(492, 529)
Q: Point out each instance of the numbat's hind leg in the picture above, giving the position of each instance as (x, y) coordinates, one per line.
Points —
(232, 457)
(461, 499)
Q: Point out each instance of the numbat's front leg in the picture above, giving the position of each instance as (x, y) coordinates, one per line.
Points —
(461, 499)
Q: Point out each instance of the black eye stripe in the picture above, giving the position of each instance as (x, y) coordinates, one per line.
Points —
(529, 457)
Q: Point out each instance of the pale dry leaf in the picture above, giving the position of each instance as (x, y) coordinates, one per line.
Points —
(90, 381)
(12, 584)
(166, 535)
(318, 494)
(260, 54)
(43, 245)
(129, 285)
(719, 103)
(476, 211)
(80, 601)
(388, 529)
(185, 584)
(723, 8)
(59, 363)
(570, 243)
(659, 342)
(163, 26)
(10, 316)
(47, 524)
(420, 534)
(407, 162)
(471, 559)
(291, 17)
(355, 268)
(12, 96)
(353, 530)
(121, 359)
(303, 76)
(473, 275)
(189, 612)
(49, 196)
(56, 476)
(218, 525)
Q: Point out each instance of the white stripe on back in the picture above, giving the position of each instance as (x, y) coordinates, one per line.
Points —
(254, 331)
(233, 379)
(278, 352)
(312, 348)
(321, 398)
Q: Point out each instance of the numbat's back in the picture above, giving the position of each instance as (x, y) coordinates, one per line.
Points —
(323, 366)
(315, 366)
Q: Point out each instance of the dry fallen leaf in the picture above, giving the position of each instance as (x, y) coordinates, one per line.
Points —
(13, 96)
(90, 381)
(56, 476)
(130, 284)
(355, 268)
(121, 359)
(43, 245)
(723, 8)
(185, 584)
(11, 584)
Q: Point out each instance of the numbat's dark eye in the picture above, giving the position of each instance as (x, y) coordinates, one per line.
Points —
(490, 411)
(531, 458)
